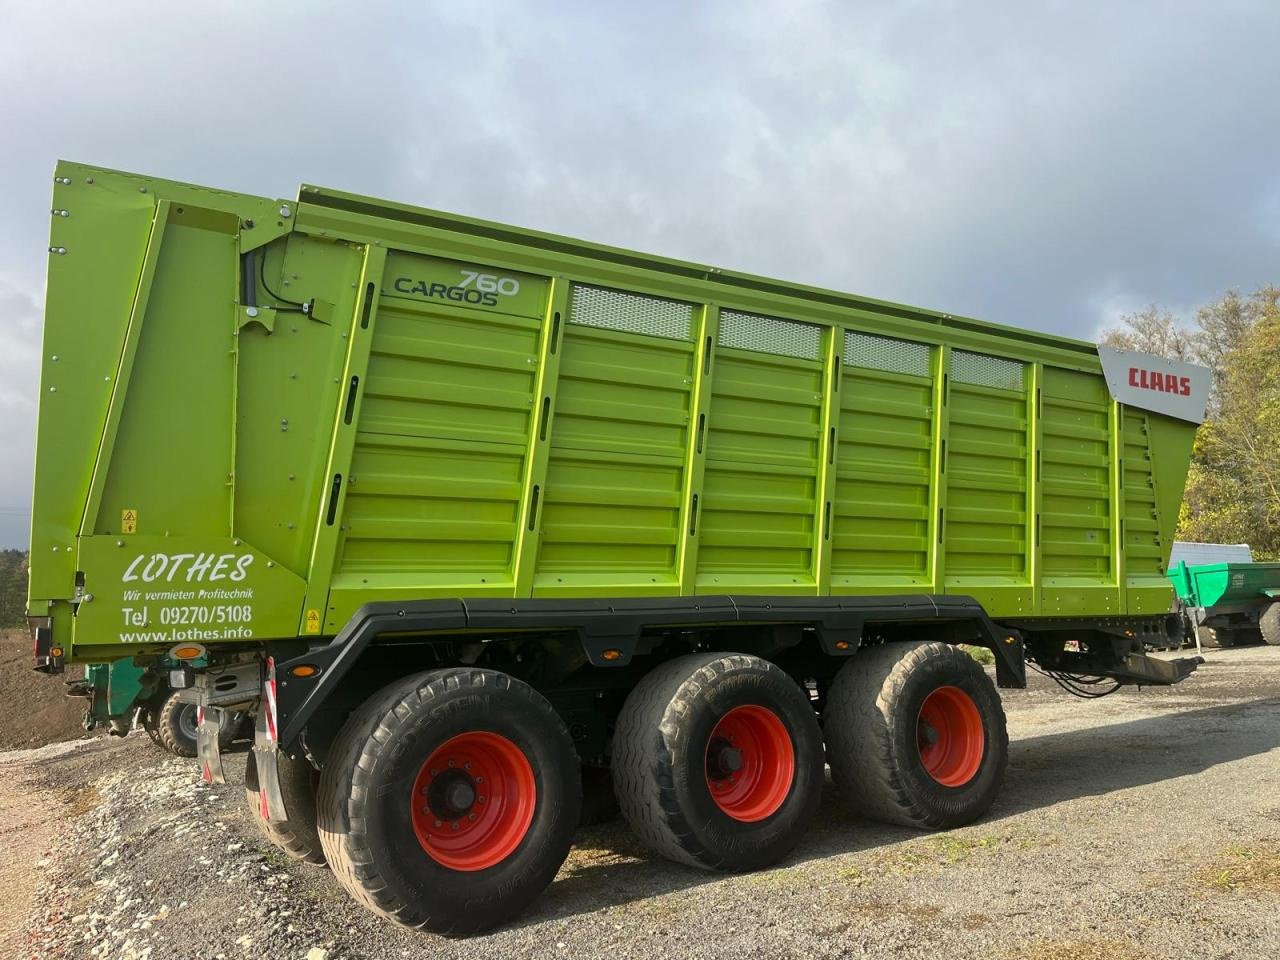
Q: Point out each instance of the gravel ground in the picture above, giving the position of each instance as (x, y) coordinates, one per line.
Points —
(1143, 825)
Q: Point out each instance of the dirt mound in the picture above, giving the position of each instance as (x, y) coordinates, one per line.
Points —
(34, 707)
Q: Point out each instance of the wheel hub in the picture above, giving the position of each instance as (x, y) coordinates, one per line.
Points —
(750, 763)
(473, 801)
(187, 721)
(950, 736)
(723, 759)
(451, 795)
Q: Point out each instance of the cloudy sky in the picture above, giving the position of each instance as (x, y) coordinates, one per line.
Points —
(1050, 169)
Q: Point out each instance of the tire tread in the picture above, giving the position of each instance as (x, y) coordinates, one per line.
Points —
(166, 723)
(297, 838)
(1269, 624)
(860, 726)
(642, 760)
(342, 819)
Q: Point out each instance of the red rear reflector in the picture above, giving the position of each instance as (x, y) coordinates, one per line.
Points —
(269, 699)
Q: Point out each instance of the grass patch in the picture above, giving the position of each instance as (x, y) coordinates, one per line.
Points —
(324, 890)
(855, 877)
(981, 654)
(953, 849)
(276, 858)
(1244, 869)
(949, 849)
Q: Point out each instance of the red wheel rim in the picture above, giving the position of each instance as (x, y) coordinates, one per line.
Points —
(950, 736)
(750, 763)
(473, 801)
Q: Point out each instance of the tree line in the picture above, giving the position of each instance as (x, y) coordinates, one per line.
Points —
(13, 587)
(1233, 487)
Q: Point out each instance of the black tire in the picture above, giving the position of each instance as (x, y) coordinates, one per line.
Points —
(1269, 624)
(661, 772)
(297, 837)
(369, 782)
(873, 735)
(171, 724)
(1215, 637)
(235, 726)
(599, 804)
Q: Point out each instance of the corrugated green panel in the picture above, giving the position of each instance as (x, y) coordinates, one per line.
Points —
(985, 526)
(756, 532)
(609, 516)
(880, 527)
(442, 372)
(1077, 556)
(1145, 553)
(434, 506)
(434, 486)
(1157, 454)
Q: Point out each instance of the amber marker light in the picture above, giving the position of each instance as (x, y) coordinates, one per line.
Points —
(303, 670)
(611, 654)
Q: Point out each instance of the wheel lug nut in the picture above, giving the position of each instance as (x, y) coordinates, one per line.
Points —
(479, 779)
(471, 816)
(439, 823)
(467, 765)
(454, 825)
(451, 763)
(480, 799)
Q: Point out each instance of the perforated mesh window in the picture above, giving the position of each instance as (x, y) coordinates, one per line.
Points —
(983, 371)
(630, 313)
(886, 353)
(787, 338)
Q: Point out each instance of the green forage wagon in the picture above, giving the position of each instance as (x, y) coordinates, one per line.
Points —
(471, 516)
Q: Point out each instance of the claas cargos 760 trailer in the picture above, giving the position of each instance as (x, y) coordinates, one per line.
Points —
(470, 516)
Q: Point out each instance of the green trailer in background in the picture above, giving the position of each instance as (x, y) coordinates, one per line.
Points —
(114, 691)
(122, 694)
(473, 517)
(1229, 604)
